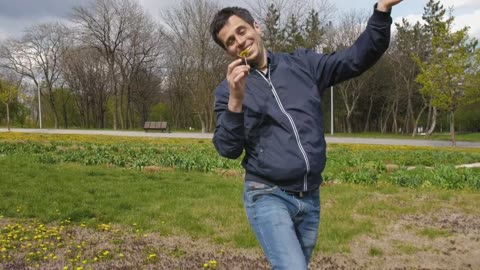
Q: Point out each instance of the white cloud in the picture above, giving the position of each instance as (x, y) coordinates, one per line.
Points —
(461, 3)
(461, 20)
(471, 20)
(412, 18)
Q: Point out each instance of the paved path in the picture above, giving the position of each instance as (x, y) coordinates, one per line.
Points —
(382, 141)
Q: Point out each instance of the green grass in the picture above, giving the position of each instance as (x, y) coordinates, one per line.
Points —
(203, 206)
(405, 248)
(433, 233)
(467, 137)
(197, 204)
(375, 252)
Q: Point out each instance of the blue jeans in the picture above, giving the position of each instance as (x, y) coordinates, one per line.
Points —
(285, 225)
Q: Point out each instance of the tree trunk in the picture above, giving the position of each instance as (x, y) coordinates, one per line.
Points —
(65, 120)
(367, 123)
(114, 88)
(414, 133)
(8, 116)
(394, 116)
(51, 99)
(452, 128)
(349, 122)
(434, 121)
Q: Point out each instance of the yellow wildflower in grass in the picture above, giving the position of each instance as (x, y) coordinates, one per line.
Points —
(212, 264)
(151, 257)
(104, 227)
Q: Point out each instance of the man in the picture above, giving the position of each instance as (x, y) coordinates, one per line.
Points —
(270, 105)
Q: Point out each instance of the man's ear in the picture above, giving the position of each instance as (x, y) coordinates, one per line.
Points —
(257, 28)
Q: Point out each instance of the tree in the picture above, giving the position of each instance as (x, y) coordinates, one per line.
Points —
(195, 63)
(350, 28)
(314, 31)
(37, 54)
(105, 25)
(434, 16)
(273, 37)
(138, 59)
(449, 74)
(86, 73)
(293, 35)
(410, 40)
(8, 95)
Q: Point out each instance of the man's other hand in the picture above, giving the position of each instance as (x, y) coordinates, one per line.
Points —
(386, 5)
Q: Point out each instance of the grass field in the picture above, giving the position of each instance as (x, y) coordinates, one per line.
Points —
(466, 137)
(159, 217)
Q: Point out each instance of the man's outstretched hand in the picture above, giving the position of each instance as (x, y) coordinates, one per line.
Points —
(386, 5)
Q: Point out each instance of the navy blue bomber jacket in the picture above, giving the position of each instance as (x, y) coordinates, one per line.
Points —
(281, 126)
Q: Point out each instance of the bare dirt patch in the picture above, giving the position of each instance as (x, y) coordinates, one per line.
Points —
(441, 240)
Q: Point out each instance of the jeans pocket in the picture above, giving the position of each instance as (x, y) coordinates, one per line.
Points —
(255, 191)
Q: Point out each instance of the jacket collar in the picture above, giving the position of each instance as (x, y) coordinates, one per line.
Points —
(271, 60)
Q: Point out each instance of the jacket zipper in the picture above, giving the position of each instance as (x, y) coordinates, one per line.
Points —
(295, 131)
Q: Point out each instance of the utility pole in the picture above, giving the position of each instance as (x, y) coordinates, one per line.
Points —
(39, 104)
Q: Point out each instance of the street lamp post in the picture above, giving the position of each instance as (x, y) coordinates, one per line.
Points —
(39, 104)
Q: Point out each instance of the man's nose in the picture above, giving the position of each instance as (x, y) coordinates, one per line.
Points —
(241, 42)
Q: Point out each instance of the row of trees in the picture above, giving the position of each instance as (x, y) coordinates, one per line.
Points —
(116, 67)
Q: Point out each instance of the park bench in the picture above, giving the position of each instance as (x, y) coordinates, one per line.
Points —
(162, 126)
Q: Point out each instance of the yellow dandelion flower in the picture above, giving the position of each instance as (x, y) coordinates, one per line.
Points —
(152, 256)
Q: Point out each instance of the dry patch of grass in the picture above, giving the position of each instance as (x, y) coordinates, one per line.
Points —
(29, 244)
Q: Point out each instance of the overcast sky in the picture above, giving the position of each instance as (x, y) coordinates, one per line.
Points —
(16, 15)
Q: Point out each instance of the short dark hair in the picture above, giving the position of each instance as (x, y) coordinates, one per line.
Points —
(222, 17)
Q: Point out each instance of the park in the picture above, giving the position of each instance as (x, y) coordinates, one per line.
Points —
(107, 161)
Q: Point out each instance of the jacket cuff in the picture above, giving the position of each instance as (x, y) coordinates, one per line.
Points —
(380, 16)
(232, 120)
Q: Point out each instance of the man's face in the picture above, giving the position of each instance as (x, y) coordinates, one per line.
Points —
(237, 35)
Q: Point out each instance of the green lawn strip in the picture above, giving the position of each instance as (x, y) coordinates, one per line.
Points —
(200, 205)
(102, 139)
(467, 137)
